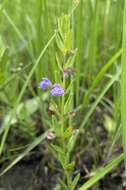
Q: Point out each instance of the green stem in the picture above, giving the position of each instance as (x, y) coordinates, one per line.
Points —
(62, 117)
(123, 86)
(66, 172)
(68, 178)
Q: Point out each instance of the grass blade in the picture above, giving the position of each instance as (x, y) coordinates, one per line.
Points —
(23, 90)
(91, 110)
(123, 86)
(102, 172)
(101, 74)
(36, 142)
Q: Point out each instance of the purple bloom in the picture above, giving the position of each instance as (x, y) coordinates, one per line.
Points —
(57, 90)
(45, 83)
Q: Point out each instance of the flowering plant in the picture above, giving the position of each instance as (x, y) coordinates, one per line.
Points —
(62, 136)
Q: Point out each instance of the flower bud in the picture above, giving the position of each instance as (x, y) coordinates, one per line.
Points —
(51, 136)
(51, 110)
(68, 71)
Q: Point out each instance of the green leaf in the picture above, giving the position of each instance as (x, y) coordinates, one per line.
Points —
(63, 185)
(30, 147)
(23, 111)
(98, 99)
(55, 125)
(68, 132)
(71, 58)
(61, 155)
(3, 65)
(65, 34)
(75, 181)
(69, 104)
(70, 166)
(68, 41)
(57, 148)
(100, 173)
(64, 25)
(71, 142)
(60, 43)
(123, 85)
(109, 124)
(100, 75)
(62, 158)
(58, 62)
(69, 88)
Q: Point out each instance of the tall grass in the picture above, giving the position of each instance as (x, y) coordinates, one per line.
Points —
(123, 85)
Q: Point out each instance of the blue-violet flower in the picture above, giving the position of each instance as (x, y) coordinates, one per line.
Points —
(45, 84)
(57, 90)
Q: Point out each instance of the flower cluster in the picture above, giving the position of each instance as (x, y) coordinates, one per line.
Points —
(56, 89)
(46, 83)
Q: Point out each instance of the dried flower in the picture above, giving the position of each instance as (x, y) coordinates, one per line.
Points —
(65, 73)
(45, 84)
(72, 114)
(68, 71)
(51, 110)
(51, 136)
(57, 90)
(75, 131)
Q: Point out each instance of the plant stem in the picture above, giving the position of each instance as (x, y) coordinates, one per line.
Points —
(66, 172)
(123, 86)
(68, 178)
(62, 117)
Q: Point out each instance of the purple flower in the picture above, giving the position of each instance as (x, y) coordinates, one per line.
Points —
(45, 84)
(57, 90)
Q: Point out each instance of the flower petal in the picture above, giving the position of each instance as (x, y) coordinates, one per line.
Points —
(45, 83)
